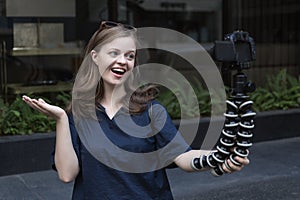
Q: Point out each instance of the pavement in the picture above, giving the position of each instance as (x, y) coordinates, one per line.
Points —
(274, 173)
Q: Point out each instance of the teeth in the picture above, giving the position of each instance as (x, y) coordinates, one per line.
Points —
(118, 70)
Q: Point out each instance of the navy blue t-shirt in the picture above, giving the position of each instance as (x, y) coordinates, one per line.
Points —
(101, 174)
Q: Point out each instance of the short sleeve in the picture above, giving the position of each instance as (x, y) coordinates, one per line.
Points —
(168, 139)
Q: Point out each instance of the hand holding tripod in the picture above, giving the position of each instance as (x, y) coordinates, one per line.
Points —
(237, 133)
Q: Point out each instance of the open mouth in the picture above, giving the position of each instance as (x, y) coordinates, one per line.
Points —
(118, 71)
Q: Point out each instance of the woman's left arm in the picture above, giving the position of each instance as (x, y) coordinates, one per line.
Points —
(184, 161)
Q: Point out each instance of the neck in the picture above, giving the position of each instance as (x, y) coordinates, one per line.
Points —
(112, 99)
(113, 96)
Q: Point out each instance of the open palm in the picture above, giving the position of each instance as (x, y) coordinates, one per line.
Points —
(40, 105)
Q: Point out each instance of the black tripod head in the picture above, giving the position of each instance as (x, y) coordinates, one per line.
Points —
(235, 52)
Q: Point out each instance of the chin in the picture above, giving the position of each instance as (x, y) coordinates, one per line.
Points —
(118, 82)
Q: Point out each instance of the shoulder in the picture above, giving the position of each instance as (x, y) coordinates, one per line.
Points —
(156, 105)
(158, 113)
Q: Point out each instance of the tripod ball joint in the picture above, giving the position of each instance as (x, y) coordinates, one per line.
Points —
(236, 136)
(249, 87)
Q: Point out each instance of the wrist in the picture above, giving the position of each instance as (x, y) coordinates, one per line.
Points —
(61, 117)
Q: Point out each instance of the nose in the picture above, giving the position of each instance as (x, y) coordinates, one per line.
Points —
(121, 59)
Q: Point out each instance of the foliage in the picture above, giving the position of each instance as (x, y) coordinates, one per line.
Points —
(18, 118)
(281, 93)
(180, 99)
(188, 102)
(63, 99)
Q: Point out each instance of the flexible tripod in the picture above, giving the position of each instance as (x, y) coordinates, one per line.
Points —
(237, 133)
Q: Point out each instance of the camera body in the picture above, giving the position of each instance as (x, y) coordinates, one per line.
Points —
(237, 49)
(235, 53)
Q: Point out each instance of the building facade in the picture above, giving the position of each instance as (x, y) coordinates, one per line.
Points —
(42, 40)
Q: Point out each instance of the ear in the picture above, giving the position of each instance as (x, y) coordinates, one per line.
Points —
(94, 56)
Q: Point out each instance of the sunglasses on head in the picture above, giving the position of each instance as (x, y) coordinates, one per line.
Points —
(110, 24)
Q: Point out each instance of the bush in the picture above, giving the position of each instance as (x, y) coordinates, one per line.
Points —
(282, 92)
(18, 118)
(170, 101)
(204, 100)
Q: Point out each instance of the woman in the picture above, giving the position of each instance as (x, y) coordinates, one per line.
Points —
(103, 91)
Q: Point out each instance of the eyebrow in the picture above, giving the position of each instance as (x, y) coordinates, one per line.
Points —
(115, 49)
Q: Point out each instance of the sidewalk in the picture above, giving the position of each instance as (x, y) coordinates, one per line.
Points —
(274, 173)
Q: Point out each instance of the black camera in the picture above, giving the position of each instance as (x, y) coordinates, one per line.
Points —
(237, 49)
(235, 53)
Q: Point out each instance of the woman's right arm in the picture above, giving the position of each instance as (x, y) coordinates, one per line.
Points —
(65, 158)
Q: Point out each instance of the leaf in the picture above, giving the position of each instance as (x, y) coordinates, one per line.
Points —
(16, 113)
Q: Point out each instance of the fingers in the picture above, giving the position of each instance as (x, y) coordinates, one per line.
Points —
(31, 101)
(229, 167)
(28, 100)
(42, 101)
(243, 161)
(39, 105)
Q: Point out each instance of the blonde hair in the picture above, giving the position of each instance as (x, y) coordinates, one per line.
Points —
(88, 88)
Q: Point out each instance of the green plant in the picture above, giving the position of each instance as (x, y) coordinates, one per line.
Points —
(169, 99)
(281, 92)
(63, 99)
(18, 118)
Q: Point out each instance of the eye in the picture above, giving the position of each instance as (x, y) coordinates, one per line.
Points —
(130, 56)
(113, 54)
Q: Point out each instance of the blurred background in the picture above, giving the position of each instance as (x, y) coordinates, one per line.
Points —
(42, 40)
(41, 46)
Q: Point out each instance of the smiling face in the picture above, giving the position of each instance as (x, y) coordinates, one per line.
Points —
(115, 60)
